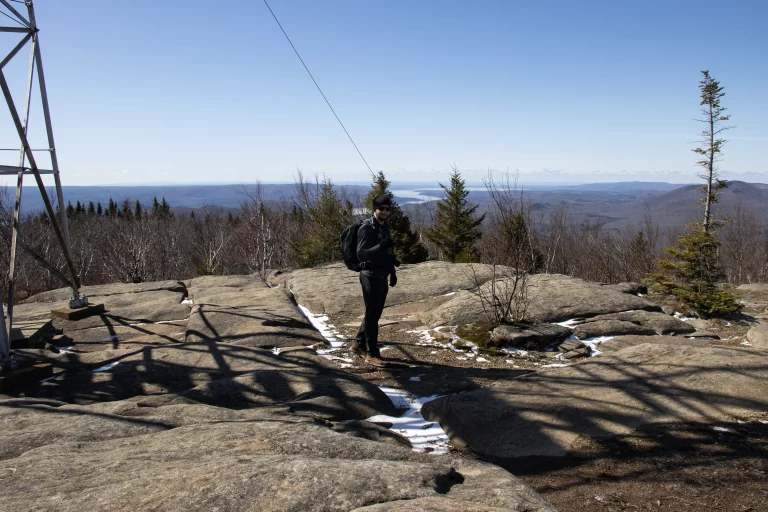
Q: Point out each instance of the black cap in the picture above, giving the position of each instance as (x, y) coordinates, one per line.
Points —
(382, 200)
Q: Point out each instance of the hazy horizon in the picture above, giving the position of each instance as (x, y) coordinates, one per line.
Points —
(150, 92)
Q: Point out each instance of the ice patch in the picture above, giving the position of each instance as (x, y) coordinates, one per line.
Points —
(415, 378)
(187, 301)
(327, 331)
(449, 294)
(514, 351)
(682, 317)
(722, 429)
(555, 365)
(568, 323)
(481, 360)
(106, 367)
(593, 343)
(745, 343)
(424, 435)
(427, 340)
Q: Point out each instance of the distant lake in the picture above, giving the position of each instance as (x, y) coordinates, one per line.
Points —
(416, 196)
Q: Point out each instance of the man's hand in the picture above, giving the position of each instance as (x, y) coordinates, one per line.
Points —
(392, 279)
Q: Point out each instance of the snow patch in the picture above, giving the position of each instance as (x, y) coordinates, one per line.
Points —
(514, 351)
(449, 294)
(327, 331)
(188, 301)
(568, 323)
(106, 367)
(722, 429)
(424, 435)
(555, 365)
(745, 343)
(593, 343)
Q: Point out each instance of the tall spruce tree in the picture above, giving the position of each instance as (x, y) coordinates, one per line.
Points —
(714, 117)
(692, 272)
(456, 227)
(408, 247)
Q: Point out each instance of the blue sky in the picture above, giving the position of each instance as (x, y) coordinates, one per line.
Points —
(189, 91)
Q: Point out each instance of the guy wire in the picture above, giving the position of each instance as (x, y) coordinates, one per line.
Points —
(318, 87)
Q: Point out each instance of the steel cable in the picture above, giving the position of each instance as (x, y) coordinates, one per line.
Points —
(318, 87)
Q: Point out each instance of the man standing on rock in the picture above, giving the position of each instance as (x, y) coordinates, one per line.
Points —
(374, 250)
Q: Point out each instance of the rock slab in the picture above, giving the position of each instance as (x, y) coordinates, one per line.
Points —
(529, 335)
(758, 335)
(544, 414)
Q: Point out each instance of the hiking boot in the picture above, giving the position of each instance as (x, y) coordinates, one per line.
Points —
(357, 349)
(375, 361)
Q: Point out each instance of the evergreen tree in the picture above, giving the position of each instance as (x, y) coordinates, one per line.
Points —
(408, 247)
(165, 208)
(126, 212)
(155, 212)
(456, 227)
(713, 112)
(322, 222)
(112, 209)
(693, 271)
(138, 212)
(70, 210)
(91, 209)
(99, 210)
(692, 275)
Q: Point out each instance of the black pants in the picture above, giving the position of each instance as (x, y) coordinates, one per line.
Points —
(375, 289)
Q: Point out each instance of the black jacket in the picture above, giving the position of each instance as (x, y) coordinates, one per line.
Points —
(380, 260)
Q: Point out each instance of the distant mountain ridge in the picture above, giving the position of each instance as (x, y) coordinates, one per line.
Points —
(616, 205)
(681, 206)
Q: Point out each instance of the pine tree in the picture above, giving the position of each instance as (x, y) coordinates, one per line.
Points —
(126, 212)
(693, 271)
(138, 212)
(165, 208)
(70, 210)
(322, 222)
(456, 227)
(91, 209)
(99, 210)
(713, 112)
(112, 209)
(408, 248)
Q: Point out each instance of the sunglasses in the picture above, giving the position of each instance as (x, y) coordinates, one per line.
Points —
(384, 208)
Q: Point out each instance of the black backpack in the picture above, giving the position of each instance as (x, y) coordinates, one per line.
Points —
(349, 245)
